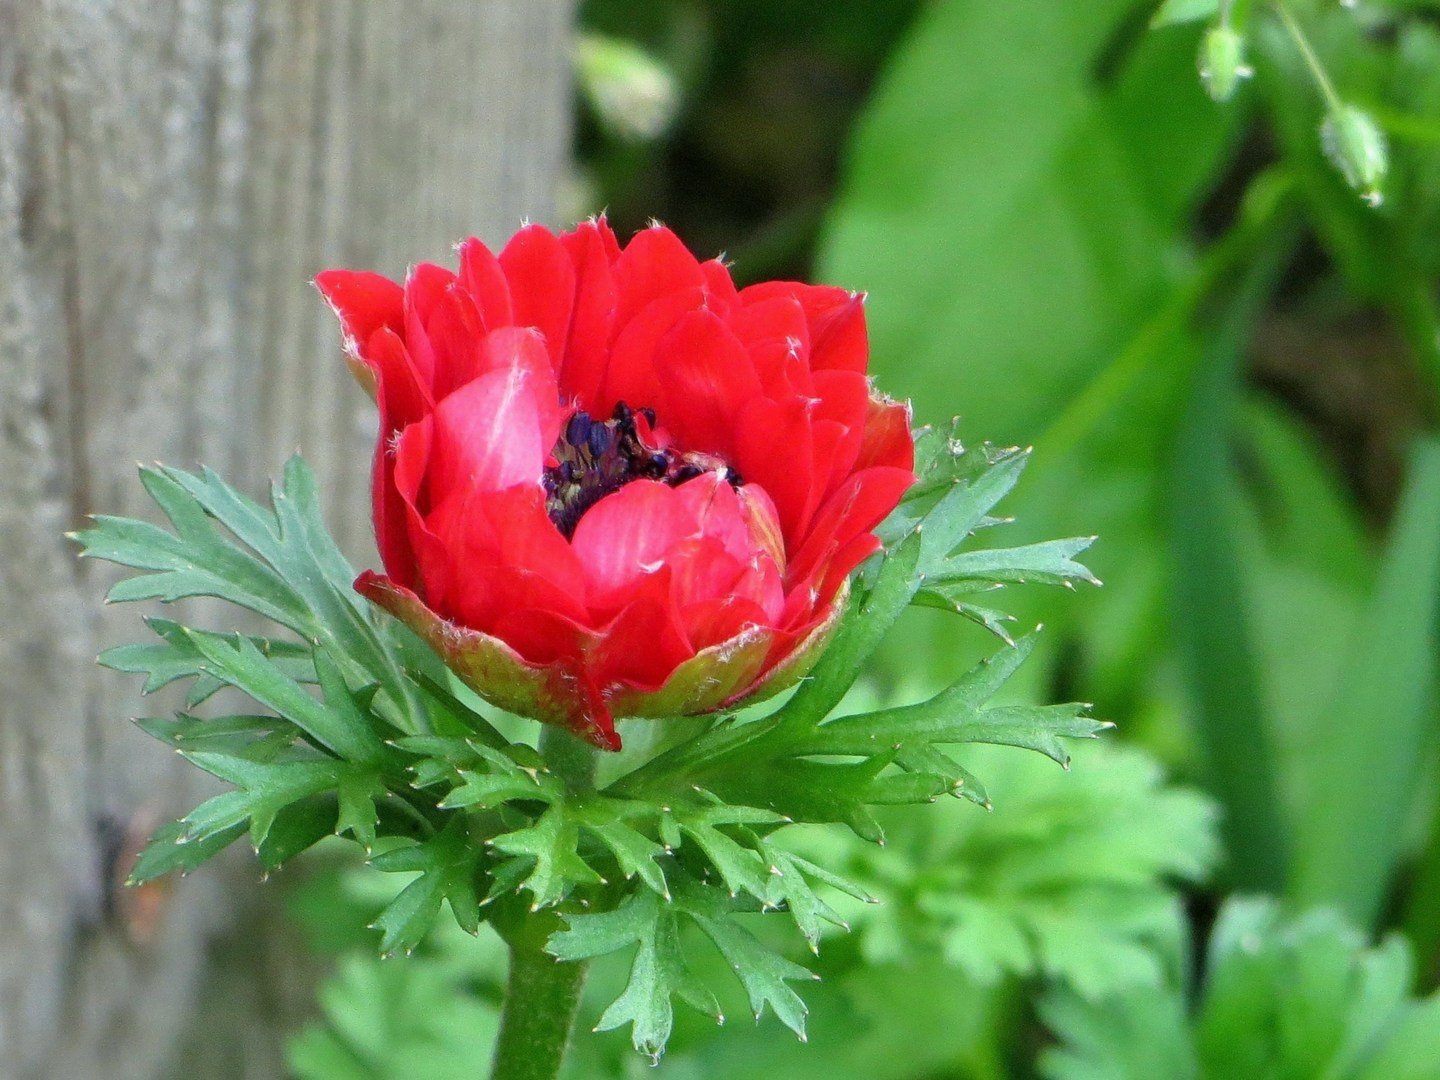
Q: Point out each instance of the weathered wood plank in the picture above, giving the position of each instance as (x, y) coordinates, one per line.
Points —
(171, 176)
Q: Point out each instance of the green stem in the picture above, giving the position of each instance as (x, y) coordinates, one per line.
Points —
(571, 759)
(1312, 61)
(541, 998)
(542, 994)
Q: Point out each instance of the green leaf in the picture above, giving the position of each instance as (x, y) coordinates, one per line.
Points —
(961, 714)
(1213, 624)
(1099, 172)
(1377, 725)
(176, 657)
(1050, 562)
(658, 971)
(337, 725)
(265, 788)
(635, 853)
(551, 842)
(386, 1020)
(168, 851)
(1302, 997)
(448, 863)
(865, 625)
(493, 789)
(285, 566)
(357, 792)
(1182, 11)
(739, 866)
(763, 973)
(258, 738)
(1071, 878)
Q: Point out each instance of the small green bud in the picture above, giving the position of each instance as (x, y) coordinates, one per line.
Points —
(1355, 145)
(1222, 61)
(633, 94)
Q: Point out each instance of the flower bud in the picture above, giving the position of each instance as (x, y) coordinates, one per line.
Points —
(1222, 62)
(1355, 145)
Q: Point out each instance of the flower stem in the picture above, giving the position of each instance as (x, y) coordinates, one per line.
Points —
(541, 997)
(1307, 51)
(542, 993)
(571, 759)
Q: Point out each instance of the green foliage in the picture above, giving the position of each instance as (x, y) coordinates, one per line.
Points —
(1067, 884)
(1042, 209)
(366, 736)
(1281, 998)
(1071, 878)
(414, 1021)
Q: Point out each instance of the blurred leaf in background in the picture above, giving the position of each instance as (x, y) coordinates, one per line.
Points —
(1301, 998)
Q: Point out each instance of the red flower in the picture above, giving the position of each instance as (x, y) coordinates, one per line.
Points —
(608, 483)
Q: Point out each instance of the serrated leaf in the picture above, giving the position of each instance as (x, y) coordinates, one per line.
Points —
(552, 843)
(175, 657)
(296, 828)
(658, 971)
(166, 853)
(635, 853)
(356, 794)
(1051, 562)
(963, 509)
(336, 725)
(264, 790)
(790, 889)
(259, 738)
(872, 616)
(448, 864)
(764, 974)
(491, 789)
(740, 867)
(959, 714)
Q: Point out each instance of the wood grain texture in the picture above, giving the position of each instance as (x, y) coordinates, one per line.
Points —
(172, 174)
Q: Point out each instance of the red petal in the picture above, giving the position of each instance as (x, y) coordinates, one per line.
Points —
(840, 341)
(640, 649)
(888, 439)
(542, 285)
(425, 285)
(523, 347)
(456, 336)
(483, 278)
(626, 536)
(860, 504)
(364, 302)
(773, 449)
(720, 292)
(401, 394)
(654, 264)
(506, 556)
(490, 434)
(631, 375)
(706, 378)
(839, 423)
(591, 323)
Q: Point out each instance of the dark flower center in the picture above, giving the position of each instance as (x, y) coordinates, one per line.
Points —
(596, 457)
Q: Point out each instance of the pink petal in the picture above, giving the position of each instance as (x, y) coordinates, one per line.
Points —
(626, 536)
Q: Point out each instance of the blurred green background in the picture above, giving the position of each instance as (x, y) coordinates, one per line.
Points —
(1229, 367)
